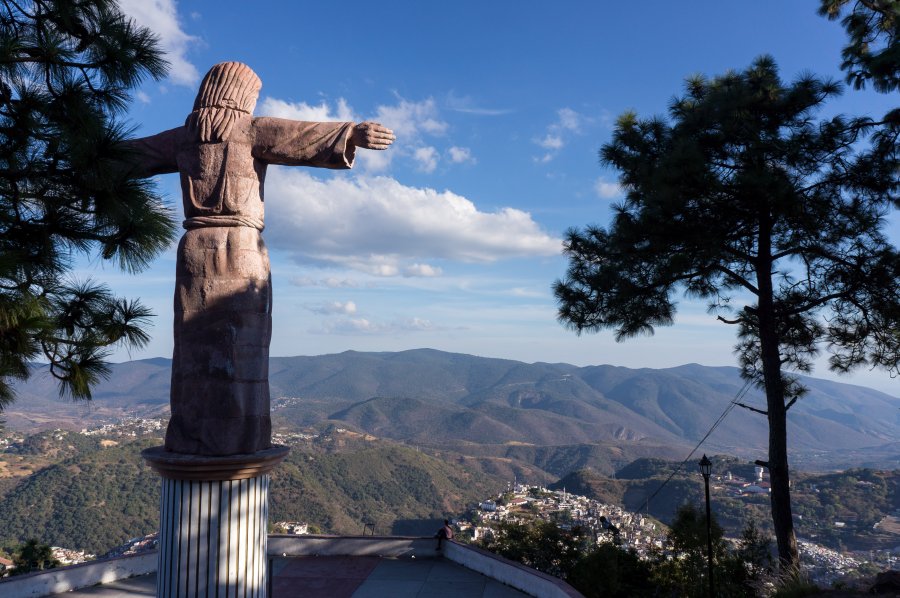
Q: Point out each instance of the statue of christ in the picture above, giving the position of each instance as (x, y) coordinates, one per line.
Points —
(223, 290)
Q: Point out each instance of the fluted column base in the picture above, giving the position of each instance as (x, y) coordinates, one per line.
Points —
(213, 520)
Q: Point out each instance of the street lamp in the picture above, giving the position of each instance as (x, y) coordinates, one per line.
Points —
(706, 470)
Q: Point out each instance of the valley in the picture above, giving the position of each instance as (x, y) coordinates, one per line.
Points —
(398, 441)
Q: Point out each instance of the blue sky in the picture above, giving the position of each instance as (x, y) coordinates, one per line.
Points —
(451, 239)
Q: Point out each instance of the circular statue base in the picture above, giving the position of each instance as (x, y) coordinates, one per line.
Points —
(180, 466)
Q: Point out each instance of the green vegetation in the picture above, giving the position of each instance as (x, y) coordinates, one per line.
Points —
(609, 571)
(55, 444)
(399, 490)
(87, 496)
(687, 573)
(66, 71)
(857, 498)
(679, 569)
(32, 556)
(541, 545)
(873, 50)
(76, 491)
(92, 501)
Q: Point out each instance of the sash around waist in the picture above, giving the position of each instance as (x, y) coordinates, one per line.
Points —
(223, 220)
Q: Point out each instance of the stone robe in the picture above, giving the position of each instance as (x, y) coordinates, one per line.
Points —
(223, 289)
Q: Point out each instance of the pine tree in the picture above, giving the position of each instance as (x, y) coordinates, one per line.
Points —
(66, 69)
(687, 574)
(742, 198)
(873, 50)
(33, 556)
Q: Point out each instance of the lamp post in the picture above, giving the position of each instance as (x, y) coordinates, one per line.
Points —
(706, 470)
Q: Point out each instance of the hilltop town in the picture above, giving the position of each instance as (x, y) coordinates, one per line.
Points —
(611, 523)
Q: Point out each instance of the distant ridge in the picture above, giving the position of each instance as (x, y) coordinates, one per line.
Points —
(433, 397)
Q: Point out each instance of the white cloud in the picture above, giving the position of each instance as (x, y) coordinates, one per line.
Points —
(303, 111)
(365, 326)
(421, 271)
(161, 17)
(375, 162)
(458, 155)
(348, 326)
(329, 283)
(569, 119)
(142, 97)
(411, 119)
(551, 142)
(416, 324)
(427, 157)
(467, 105)
(568, 122)
(376, 265)
(381, 227)
(606, 189)
(334, 308)
(411, 123)
(527, 293)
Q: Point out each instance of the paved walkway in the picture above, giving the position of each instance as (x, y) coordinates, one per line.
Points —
(348, 577)
(143, 585)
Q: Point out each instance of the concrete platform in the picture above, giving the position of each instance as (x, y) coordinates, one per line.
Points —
(323, 566)
(347, 577)
(142, 585)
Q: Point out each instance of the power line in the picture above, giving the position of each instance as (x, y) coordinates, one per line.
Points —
(740, 395)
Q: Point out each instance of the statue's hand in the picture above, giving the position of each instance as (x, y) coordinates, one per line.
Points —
(369, 135)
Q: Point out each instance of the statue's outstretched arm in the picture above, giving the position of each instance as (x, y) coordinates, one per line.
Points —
(321, 144)
(153, 155)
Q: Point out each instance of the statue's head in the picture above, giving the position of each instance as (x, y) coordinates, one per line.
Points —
(228, 91)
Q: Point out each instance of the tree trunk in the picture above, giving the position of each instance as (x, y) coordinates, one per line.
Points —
(779, 475)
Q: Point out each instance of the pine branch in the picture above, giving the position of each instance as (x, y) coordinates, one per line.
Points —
(754, 409)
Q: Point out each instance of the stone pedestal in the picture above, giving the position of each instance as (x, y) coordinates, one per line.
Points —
(213, 517)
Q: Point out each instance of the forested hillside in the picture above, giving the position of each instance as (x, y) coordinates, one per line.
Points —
(93, 500)
(94, 493)
(399, 440)
(98, 498)
(851, 509)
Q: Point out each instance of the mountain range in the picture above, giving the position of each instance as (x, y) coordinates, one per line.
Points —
(558, 415)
